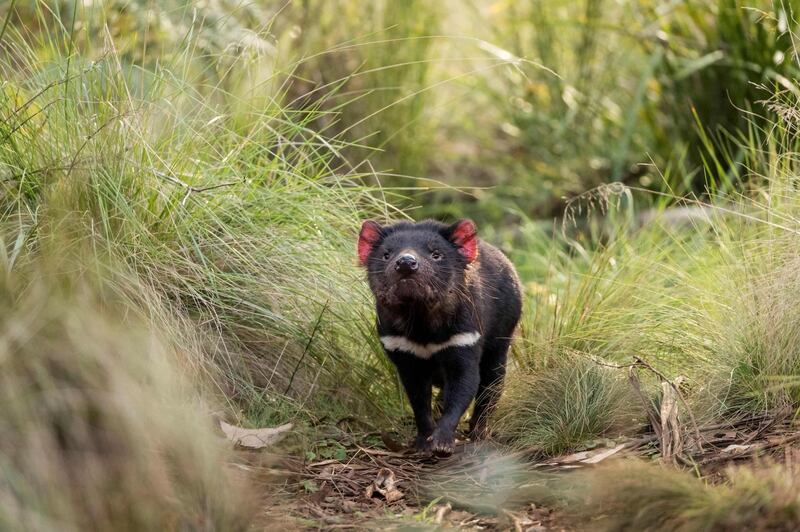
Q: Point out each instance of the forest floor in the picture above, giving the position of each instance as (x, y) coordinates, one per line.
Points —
(378, 488)
(488, 486)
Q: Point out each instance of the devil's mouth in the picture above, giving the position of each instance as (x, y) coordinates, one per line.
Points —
(408, 288)
(407, 282)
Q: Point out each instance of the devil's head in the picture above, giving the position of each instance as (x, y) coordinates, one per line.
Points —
(417, 264)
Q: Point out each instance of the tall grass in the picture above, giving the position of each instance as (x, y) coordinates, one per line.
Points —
(706, 298)
(194, 235)
(225, 201)
(103, 424)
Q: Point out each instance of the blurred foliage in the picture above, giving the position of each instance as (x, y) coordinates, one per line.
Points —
(535, 100)
(643, 90)
(370, 62)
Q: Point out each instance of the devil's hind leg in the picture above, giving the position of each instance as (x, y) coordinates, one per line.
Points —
(492, 371)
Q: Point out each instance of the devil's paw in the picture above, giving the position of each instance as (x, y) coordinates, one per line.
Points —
(442, 443)
(422, 443)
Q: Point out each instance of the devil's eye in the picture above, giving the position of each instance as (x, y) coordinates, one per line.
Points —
(386, 255)
(436, 255)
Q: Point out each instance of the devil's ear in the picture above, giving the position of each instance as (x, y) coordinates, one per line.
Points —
(464, 235)
(371, 233)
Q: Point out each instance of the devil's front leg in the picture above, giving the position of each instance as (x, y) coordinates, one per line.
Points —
(417, 377)
(461, 378)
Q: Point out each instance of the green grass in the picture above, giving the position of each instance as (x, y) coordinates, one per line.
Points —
(229, 205)
(540, 101)
(180, 192)
(706, 299)
(569, 403)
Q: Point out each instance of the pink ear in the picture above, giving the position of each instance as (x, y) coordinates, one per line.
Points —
(370, 235)
(464, 234)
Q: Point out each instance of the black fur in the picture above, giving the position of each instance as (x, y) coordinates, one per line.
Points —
(446, 295)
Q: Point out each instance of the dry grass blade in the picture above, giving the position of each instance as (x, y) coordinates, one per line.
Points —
(671, 438)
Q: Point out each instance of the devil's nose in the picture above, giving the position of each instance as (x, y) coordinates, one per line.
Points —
(406, 263)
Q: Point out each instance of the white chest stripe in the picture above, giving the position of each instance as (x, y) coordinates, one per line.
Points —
(401, 343)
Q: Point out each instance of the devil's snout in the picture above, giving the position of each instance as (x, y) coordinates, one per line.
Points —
(406, 264)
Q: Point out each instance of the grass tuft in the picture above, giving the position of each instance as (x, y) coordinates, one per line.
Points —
(632, 495)
(565, 405)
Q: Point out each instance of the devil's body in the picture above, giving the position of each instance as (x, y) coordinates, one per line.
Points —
(448, 321)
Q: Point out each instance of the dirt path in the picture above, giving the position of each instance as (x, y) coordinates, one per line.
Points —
(477, 488)
(486, 486)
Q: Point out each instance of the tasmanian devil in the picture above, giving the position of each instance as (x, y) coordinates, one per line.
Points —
(447, 306)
